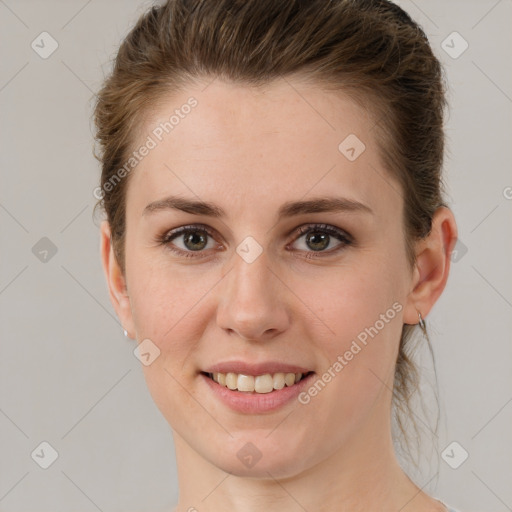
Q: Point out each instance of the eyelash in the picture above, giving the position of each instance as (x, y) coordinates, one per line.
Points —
(341, 235)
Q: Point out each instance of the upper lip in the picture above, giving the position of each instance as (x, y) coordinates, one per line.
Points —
(255, 369)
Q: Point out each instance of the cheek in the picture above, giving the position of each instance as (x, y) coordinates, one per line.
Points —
(352, 300)
(166, 298)
(362, 307)
(171, 307)
(168, 309)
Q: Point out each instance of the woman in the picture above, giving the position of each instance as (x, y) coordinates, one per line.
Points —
(275, 232)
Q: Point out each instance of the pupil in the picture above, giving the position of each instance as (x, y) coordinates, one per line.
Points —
(322, 239)
(191, 237)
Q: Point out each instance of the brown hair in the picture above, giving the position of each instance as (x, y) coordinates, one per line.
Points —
(369, 49)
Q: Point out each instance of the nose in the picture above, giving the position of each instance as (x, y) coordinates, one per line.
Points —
(253, 301)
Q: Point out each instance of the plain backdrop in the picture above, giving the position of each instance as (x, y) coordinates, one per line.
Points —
(69, 378)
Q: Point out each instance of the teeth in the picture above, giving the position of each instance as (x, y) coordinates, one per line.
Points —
(262, 383)
(259, 384)
(245, 383)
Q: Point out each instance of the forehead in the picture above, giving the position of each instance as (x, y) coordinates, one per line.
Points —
(286, 139)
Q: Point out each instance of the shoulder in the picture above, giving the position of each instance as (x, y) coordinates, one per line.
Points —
(447, 507)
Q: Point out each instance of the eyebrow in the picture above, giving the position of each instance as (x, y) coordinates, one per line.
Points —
(289, 209)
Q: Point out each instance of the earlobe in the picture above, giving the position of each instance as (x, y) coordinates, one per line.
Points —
(115, 280)
(432, 266)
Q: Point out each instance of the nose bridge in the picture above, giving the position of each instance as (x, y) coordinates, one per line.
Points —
(251, 273)
(251, 301)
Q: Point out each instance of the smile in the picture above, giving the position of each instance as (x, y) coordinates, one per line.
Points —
(266, 383)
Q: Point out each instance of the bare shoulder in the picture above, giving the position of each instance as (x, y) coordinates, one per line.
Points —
(438, 506)
(430, 504)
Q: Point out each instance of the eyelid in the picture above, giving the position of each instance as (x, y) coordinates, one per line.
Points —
(343, 237)
(166, 238)
(168, 235)
(327, 228)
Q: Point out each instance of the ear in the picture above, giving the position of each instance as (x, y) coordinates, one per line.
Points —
(116, 281)
(432, 265)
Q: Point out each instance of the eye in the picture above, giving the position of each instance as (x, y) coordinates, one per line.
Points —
(318, 237)
(194, 239)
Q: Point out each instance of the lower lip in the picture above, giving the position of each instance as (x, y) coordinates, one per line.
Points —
(256, 403)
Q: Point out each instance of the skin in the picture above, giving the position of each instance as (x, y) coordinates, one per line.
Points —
(249, 151)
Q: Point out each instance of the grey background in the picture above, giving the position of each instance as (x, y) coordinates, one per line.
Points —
(70, 378)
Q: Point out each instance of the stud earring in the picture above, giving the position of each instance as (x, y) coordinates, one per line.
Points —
(125, 333)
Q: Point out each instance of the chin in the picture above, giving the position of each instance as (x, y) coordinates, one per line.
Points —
(267, 467)
(259, 456)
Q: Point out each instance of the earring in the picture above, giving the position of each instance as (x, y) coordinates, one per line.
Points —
(422, 324)
(125, 333)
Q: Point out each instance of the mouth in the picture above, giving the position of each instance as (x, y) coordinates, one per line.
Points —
(257, 384)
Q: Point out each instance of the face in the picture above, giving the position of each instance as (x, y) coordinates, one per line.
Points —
(247, 286)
